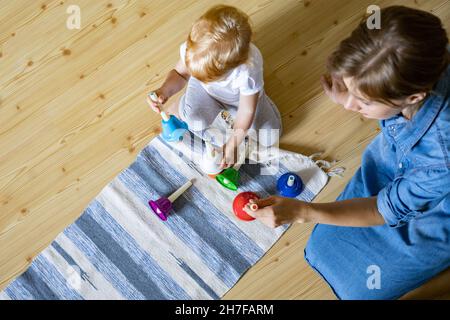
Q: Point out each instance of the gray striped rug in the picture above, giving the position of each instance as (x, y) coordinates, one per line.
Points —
(118, 249)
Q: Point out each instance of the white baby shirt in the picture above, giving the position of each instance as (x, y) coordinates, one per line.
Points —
(245, 79)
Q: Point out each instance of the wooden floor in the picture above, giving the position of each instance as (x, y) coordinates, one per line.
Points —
(73, 112)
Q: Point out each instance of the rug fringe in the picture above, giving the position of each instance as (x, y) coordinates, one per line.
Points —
(326, 166)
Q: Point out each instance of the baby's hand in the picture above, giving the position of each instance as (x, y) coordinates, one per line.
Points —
(229, 155)
(161, 99)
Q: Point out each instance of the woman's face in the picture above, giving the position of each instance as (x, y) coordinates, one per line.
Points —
(369, 109)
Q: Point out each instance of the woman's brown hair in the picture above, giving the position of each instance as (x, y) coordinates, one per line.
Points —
(407, 55)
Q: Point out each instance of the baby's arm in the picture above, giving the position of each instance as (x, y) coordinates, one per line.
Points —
(245, 115)
(175, 80)
(244, 119)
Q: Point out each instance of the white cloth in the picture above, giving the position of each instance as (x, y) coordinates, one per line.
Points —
(246, 79)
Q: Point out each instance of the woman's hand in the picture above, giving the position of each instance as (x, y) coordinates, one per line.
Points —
(334, 88)
(275, 211)
(162, 98)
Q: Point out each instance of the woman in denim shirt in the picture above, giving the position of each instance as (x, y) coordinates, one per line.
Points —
(389, 230)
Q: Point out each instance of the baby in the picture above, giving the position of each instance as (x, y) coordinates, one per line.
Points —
(223, 70)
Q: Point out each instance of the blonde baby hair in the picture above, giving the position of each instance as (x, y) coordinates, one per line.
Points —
(219, 41)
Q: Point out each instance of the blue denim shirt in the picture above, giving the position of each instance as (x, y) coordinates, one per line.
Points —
(408, 164)
(407, 167)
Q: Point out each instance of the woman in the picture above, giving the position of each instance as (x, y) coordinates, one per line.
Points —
(392, 221)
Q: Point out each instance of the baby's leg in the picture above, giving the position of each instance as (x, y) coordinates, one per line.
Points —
(267, 125)
(197, 108)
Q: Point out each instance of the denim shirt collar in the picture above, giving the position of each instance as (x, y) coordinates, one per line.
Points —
(406, 133)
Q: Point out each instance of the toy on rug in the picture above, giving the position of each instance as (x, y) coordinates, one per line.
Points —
(239, 203)
(173, 129)
(210, 164)
(289, 185)
(211, 159)
(162, 206)
(229, 178)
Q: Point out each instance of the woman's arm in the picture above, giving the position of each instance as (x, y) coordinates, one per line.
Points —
(360, 212)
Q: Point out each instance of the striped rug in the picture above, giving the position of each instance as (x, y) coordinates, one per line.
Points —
(118, 249)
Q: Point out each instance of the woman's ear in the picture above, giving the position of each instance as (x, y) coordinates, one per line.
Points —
(416, 98)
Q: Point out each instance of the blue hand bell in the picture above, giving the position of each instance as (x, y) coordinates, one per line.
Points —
(289, 185)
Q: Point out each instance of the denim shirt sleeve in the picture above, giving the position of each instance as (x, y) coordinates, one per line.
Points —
(415, 194)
